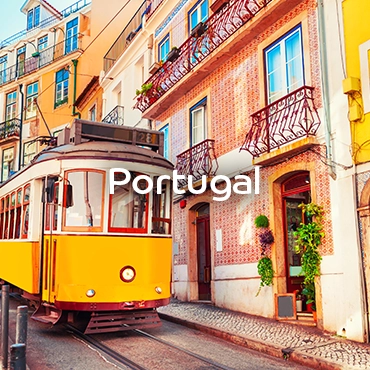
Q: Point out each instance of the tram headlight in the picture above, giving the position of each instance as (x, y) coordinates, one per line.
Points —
(90, 293)
(158, 289)
(127, 274)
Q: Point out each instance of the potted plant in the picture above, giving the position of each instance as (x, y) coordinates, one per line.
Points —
(144, 89)
(155, 67)
(308, 240)
(173, 54)
(198, 30)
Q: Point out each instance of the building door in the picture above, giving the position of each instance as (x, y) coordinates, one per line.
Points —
(295, 191)
(203, 253)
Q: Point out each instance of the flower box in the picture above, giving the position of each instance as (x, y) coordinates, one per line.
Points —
(173, 55)
(198, 30)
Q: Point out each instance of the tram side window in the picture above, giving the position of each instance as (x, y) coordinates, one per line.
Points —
(2, 215)
(6, 223)
(26, 211)
(53, 208)
(87, 208)
(18, 214)
(128, 209)
(161, 219)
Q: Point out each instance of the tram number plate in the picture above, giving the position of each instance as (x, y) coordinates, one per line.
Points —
(147, 138)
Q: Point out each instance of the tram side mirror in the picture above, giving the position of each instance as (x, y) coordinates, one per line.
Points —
(69, 196)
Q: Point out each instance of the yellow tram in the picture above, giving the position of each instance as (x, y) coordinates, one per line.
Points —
(73, 247)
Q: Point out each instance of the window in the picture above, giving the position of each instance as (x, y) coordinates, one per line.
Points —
(26, 211)
(86, 213)
(7, 163)
(21, 57)
(197, 14)
(42, 43)
(164, 48)
(92, 113)
(18, 214)
(11, 106)
(33, 17)
(29, 151)
(61, 87)
(198, 122)
(71, 36)
(284, 65)
(3, 61)
(128, 209)
(161, 219)
(32, 92)
(166, 143)
(2, 216)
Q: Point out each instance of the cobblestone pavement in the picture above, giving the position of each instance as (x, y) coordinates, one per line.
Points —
(304, 342)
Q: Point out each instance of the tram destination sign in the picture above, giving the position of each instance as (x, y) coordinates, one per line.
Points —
(82, 129)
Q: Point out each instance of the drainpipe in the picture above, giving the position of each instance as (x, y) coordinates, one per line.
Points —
(325, 86)
(74, 113)
(21, 129)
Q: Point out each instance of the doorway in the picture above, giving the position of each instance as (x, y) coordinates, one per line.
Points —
(295, 191)
(203, 252)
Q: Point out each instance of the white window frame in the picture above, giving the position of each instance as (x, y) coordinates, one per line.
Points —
(285, 89)
(30, 113)
(10, 161)
(197, 8)
(201, 106)
(29, 151)
(166, 140)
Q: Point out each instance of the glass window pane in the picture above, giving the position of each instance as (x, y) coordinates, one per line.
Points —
(87, 207)
(204, 11)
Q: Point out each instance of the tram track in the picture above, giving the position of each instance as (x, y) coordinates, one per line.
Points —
(118, 359)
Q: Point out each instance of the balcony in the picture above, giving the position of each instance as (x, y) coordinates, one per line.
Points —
(40, 59)
(290, 122)
(47, 22)
(154, 4)
(197, 161)
(214, 37)
(125, 38)
(115, 116)
(10, 129)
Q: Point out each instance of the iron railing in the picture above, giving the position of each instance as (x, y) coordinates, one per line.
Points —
(154, 4)
(47, 22)
(210, 35)
(39, 60)
(292, 117)
(124, 39)
(197, 161)
(115, 116)
(9, 128)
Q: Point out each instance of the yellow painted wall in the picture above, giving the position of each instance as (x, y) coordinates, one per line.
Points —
(356, 15)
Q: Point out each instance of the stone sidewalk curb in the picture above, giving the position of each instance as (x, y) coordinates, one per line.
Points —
(294, 355)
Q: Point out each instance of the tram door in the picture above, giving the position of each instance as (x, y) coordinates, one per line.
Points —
(204, 254)
(50, 242)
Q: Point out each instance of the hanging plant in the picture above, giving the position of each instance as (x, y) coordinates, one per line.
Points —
(261, 221)
(266, 272)
(264, 266)
(308, 240)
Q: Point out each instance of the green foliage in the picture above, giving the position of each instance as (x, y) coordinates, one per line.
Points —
(309, 238)
(144, 89)
(261, 221)
(266, 272)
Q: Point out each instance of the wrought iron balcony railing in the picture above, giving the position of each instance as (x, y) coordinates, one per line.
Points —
(40, 59)
(290, 118)
(124, 39)
(47, 22)
(197, 161)
(115, 116)
(207, 38)
(9, 128)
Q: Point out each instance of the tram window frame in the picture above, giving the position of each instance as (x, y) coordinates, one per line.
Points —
(2, 213)
(25, 211)
(161, 206)
(66, 182)
(18, 214)
(129, 230)
(6, 223)
(54, 206)
(12, 215)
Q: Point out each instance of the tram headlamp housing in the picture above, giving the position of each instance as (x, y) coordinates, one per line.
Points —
(90, 293)
(127, 274)
(158, 289)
